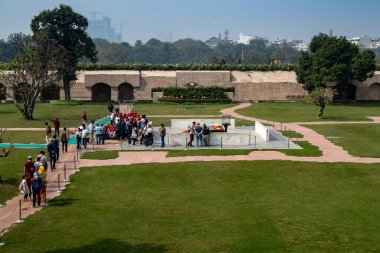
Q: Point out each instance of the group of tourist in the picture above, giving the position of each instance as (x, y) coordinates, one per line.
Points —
(201, 133)
(33, 182)
(131, 127)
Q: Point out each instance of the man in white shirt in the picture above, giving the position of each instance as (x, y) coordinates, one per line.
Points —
(84, 138)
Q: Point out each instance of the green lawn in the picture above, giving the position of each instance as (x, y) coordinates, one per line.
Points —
(165, 109)
(100, 155)
(308, 150)
(357, 139)
(262, 206)
(11, 170)
(27, 136)
(304, 112)
(69, 115)
(292, 134)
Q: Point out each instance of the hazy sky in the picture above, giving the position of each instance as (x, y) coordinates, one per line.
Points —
(201, 19)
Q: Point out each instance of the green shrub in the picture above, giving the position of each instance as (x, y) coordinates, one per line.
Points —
(200, 92)
(193, 101)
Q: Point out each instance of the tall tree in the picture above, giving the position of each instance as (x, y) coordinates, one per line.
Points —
(68, 28)
(334, 60)
(40, 63)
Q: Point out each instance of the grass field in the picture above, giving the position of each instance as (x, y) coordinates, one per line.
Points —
(308, 150)
(270, 206)
(69, 115)
(165, 109)
(11, 170)
(304, 112)
(100, 155)
(357, 139)
(27, 136)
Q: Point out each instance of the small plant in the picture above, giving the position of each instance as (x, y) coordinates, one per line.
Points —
(320, 96)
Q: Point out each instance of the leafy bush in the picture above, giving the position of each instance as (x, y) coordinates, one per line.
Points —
(193, 101)
(200, 92)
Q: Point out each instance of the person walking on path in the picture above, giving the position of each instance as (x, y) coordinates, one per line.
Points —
(110, 107)
(24, 188)
(84, 118)
(64, 140)
(78, 136)
(52, 156)
(98, 134)
(191, 130)
(43, 160)
(162, 131)
(36, 187)
(56, 146)
(206, 135)
(48, 132)
(91, 127)
(84, 137)
(57, 125)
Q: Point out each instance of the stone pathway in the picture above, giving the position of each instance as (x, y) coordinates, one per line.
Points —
(331, 153)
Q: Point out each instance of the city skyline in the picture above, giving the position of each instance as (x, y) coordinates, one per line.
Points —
(201, 20)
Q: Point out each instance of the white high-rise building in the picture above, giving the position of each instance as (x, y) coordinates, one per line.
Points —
(244, 39)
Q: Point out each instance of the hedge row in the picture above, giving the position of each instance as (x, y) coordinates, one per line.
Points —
(193, 101)
(225, 89)
(200, 92)
(173, 67)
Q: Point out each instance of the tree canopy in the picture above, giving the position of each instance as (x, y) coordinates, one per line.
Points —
(334, 60)
(68, 28)
(41, 62)
(189, 51)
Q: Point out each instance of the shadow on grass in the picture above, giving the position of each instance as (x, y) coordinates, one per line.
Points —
(112, 245)
(62, 202)
(11, 181)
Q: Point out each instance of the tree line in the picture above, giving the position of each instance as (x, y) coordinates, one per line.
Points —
(189, 50)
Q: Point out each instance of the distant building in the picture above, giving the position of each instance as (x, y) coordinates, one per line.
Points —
(101, 28)
(296, 44)
(213, 42)
(365, 42)
(244, 39)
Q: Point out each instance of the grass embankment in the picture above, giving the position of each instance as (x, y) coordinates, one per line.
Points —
(261, 206)
(358, 139)
(305, 112)
(27, 136)
(100, 155)
(69, 115)
(11, 170)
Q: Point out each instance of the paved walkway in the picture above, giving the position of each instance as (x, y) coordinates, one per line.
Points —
(331, 153)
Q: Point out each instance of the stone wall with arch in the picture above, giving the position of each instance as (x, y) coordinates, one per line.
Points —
(51, 92)
(101, 92)
(125, 92)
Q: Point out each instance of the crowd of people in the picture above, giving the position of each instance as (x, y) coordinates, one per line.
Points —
(33, 181)
(133, 127)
